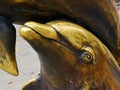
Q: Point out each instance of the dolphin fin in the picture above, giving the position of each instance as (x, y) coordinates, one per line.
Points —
(7, 46)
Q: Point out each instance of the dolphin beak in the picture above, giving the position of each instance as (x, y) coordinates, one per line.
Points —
(44, 30)
(7, 50)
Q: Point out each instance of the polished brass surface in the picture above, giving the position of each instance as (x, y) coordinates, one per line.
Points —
(71, 58)
(7, 46)
(83, 61)
(99, 17)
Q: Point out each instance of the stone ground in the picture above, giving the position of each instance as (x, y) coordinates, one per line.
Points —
(28, 64)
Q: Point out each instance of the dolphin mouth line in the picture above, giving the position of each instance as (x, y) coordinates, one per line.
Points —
(41, 34)
(63, 41)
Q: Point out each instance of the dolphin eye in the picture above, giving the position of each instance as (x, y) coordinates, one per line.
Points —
(86, 57)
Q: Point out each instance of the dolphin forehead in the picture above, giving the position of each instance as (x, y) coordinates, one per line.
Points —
(76, 35)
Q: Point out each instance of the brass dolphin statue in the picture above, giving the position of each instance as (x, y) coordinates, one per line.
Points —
(71, 58)
(7, 46)
(99, 17)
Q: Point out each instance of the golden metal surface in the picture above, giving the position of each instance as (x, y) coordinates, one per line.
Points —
(7, 46)
(71, 58)
(8, 61)
(99, 17)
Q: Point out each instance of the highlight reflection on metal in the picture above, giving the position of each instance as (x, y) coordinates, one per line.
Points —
(71, 58)
(98, 17)
(7, 46)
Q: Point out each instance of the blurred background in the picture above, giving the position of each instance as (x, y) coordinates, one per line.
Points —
(117, 3)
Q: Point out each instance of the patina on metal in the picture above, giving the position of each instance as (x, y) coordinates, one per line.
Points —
(98, 17)
(71, 58)
(91, 14)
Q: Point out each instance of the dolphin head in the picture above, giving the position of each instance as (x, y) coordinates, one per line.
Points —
(71, 57)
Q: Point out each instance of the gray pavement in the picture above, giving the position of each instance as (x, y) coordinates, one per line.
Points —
(28, 64)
